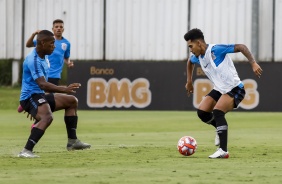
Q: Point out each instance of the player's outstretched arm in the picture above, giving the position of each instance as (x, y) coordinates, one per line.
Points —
(247, 53)
(47, 86)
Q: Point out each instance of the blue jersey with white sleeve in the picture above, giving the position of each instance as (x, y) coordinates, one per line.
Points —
(34, 67)
(56, 59)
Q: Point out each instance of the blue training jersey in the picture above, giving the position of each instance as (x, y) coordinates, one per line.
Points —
(218, 52)
(56, 59)
(33, 68)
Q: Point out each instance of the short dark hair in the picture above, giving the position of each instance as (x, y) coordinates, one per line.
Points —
(44, 35)
(58, 21)
(194, 34)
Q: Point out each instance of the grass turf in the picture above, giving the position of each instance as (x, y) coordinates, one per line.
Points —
(140, 147)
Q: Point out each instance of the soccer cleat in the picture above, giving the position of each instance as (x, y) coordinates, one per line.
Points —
(220, 154)
(216, 140)
(75, 144)
(27, 154)
(20, 109)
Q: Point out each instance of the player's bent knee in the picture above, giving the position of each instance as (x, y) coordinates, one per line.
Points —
(47, 119)
(206, 117)
(74, 100)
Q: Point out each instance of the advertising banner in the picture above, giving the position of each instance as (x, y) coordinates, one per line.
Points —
(161, 86)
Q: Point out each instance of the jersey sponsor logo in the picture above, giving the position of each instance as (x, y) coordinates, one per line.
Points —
(64, 46)
(118, 93)
(203, 86)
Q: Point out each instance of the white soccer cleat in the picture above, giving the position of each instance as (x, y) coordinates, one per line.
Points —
(220, 154)
(27, 154)
(216, 139)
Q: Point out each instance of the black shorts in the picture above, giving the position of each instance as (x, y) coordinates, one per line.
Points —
(238, 93)
(31, 104)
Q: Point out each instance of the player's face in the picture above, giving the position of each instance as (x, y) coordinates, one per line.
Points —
(49, 46)
(194, 47)
(58, 29)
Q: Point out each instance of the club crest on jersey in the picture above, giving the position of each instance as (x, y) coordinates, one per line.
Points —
(213, 56)
(64, 46)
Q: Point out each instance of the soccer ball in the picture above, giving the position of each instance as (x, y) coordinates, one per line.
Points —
(187, 145)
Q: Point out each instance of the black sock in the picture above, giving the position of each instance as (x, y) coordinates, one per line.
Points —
(213, 123)
(222, 128)
(34, 137)
(71, 125)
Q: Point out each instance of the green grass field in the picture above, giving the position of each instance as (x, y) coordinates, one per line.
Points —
(140, 147)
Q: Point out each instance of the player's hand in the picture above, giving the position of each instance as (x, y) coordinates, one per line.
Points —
(36, 32)
(189, 88)
(257, 69)
(72, 87)
(70, 64)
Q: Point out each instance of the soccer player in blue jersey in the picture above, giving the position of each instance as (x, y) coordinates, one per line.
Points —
(60, 55)
(228, 89)
(40, 105)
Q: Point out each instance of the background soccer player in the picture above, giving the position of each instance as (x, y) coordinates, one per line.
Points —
(228, 89)
(61, 53)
